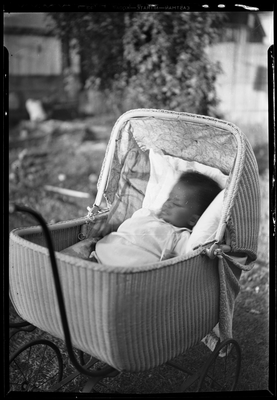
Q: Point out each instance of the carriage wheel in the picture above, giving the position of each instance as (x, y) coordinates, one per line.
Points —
(35, 366)
(221, 372)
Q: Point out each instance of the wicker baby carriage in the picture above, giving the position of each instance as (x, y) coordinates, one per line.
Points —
(136, 318)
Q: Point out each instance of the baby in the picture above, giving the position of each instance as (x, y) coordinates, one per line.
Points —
(148, 236)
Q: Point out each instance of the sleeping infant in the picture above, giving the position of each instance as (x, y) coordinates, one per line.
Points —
(148, 237)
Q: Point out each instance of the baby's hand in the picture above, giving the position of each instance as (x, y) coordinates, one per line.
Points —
(169, 255)
(81, 249)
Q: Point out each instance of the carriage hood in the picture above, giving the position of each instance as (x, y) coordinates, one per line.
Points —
(210, 141)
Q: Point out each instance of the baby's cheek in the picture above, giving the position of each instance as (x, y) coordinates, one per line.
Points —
(182, 216)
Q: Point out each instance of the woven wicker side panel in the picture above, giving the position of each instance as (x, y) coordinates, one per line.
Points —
(245, 215)
(31, 285)
(162, 313)
(65, 236)
(132, 321)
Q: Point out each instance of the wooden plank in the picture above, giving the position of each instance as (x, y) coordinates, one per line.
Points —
(67, 192)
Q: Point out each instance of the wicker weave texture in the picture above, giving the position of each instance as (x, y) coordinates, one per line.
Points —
(132, 321)
(245, 215)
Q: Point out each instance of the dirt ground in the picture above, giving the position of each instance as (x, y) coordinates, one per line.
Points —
(71, 157)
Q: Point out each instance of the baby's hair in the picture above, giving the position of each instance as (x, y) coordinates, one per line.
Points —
(207, 188)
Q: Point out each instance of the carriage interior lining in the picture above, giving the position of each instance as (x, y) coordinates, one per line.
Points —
(130, 170)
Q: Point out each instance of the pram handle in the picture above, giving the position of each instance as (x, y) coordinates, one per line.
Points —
(104, 371)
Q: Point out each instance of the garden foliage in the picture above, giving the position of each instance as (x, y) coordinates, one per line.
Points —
(157, 59)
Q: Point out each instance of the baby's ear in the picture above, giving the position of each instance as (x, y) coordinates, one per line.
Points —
(193, 219)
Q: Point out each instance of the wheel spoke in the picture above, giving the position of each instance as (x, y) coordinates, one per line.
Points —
(222, 369)
(38, 369)
(47, 380)
(20, 369)
(214, 382)
(36, 366)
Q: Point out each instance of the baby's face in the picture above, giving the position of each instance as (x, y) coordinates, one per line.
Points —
(181, 208)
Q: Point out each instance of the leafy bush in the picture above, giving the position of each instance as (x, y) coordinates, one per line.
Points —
(166, 61)
(154, 59)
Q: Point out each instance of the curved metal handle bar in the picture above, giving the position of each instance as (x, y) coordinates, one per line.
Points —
(13, 208)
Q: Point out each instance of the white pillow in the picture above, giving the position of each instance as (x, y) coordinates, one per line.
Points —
(164, 173)
(206, 227)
